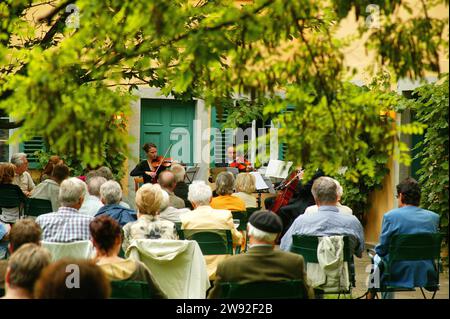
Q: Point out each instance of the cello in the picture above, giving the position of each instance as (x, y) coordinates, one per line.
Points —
(285, 196)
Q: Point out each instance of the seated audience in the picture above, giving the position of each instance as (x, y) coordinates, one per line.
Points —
(22, 178)
(168, 212)
(245, 186)
(166, 180)
(24, 231)
(107, 237)
(342, 208)
(7, 171)
(110, 195)
(327, 221)
(24, 268)
(181, 188)
(49, 188)
(92, 202)
(224, 189)
(262, 262)
(67, 224)
(205, 217)
(148, 225)
(4, 235)
(105, 172)
(72, 279)
(48, 169)
(408, 218)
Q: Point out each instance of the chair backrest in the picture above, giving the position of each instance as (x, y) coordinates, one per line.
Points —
(78, 249)
(211, 241)
(2, 292)
(289, 289)
(422, 246)
(35, 207)
(243, 219)
(9, 198)
(250, 211)
(137, 182)
(127, 289)
(307, 247)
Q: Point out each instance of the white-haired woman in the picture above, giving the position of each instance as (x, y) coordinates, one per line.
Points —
(149, 225)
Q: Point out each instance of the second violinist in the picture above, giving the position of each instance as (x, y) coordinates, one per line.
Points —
(150, 168)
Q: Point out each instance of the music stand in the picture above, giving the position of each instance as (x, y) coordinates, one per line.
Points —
(190, 173)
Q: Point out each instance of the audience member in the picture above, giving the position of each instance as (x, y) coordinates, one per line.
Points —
(110, 195)
(149, 225)
(22, 178)
(205, 217)
(4, 235)
(49, 188)
(105, 172)
(166, 180)
(107, 237)
(24, 231)
(67, 224)
(92, 202)
(72, 279)
(409, 218)
(224, 189)
(327, 221)
(181, 188)
(48, 169)
(7, 171)
(262, 262)
(342, 208)
(168, 212)
(245, 186)
(24, 268)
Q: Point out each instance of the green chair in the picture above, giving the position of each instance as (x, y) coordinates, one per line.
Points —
(10, 198)
(124, 289)
(2, 292)
(211, 241)
(307, 247)
(289, 289)
(411, 247)
(251, 210)
(35, 207)
(242, 217)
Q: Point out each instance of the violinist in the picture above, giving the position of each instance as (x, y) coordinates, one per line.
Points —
(238, 162)
(150, 168)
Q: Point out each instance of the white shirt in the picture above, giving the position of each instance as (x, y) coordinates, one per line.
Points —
(91, 205)
(24, 181)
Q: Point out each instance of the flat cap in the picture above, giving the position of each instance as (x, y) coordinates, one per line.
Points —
(266, 221)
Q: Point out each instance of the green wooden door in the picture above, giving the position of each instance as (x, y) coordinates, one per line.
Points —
(165, 122)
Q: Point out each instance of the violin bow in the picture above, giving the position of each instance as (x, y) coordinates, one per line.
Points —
(164, 157)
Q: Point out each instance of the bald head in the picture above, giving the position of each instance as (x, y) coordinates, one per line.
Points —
(167, 180)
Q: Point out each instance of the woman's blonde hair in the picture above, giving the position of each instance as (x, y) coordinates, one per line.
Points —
(246, 183)
(7, 172)
(149, 198)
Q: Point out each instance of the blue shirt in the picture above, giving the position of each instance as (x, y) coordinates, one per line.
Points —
(327, 222)
(408, 220)
(2, 231)
(121, 214)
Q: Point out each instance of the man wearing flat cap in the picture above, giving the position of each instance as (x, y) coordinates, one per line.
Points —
(262, 262)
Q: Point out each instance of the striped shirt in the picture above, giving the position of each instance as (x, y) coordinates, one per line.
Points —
(64, 226)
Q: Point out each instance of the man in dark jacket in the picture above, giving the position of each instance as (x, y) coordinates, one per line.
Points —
(111, 195)
(262, 262)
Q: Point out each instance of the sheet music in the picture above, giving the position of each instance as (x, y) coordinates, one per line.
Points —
(278, 169)
(260, 183)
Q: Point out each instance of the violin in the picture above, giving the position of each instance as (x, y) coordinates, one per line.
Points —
(242, 165)
(161, 161)
(285, 196)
